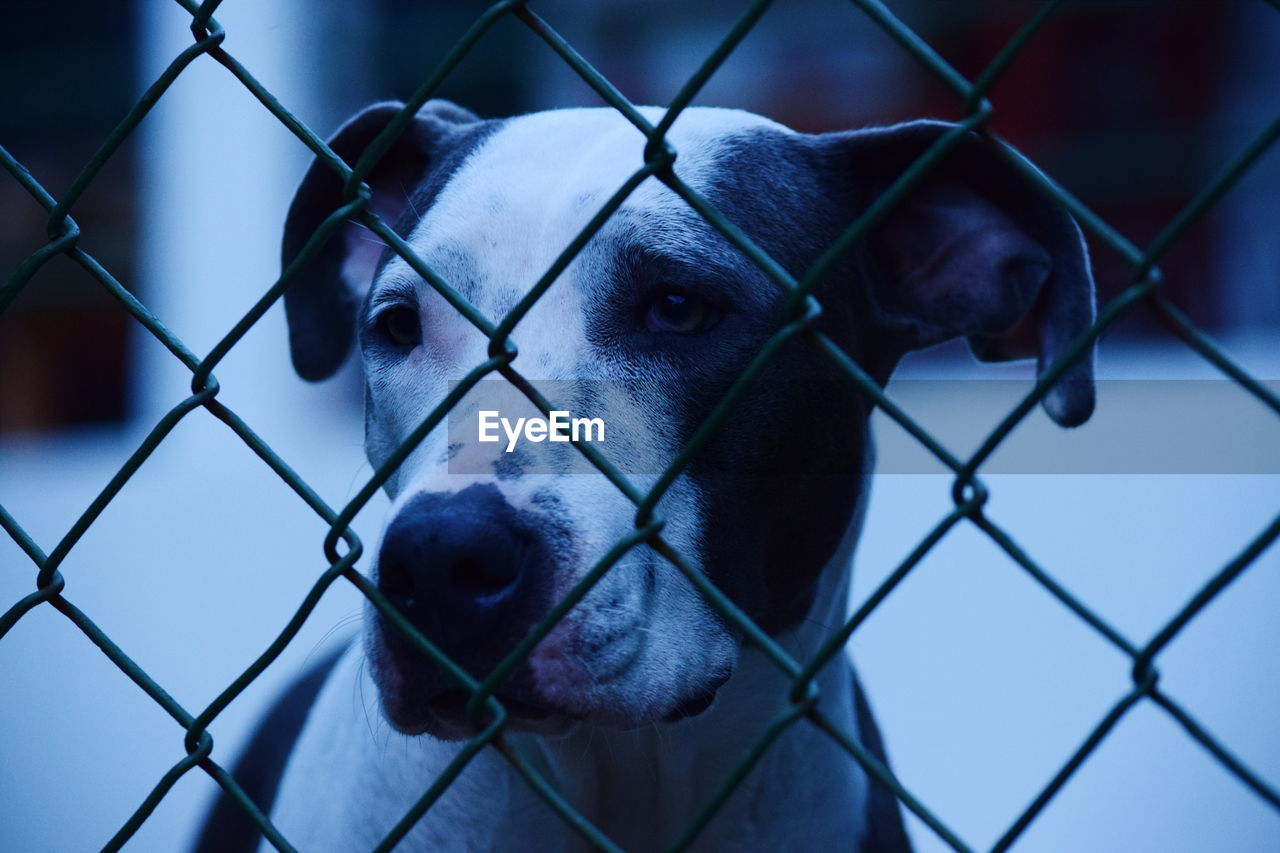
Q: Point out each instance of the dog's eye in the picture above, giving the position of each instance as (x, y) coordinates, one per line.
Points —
(676, 311)
(399, 325)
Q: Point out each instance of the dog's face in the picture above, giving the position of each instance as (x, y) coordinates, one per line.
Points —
(646, 329)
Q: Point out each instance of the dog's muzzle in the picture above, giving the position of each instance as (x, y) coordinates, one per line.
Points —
(469, 573)
(473, 575)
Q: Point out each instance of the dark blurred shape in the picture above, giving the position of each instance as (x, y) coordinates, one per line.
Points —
(412, 37)
(68, 73)
(1118, 101)
(1132, 105)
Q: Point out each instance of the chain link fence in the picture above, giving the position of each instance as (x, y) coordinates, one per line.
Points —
(342, 548)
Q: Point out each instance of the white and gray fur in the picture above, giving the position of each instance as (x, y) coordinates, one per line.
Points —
(771, 510)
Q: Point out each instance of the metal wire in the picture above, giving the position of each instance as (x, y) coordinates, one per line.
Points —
(484, 709)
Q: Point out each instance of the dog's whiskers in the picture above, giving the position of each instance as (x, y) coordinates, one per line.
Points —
(349, 619)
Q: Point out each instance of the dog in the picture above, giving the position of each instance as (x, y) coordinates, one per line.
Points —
(642, 699)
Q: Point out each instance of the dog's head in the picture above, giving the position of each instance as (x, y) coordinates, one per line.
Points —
(647, 328)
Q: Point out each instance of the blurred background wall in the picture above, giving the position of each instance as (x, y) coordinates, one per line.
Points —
(984, 685)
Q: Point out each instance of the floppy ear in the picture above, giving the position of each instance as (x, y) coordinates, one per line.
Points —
(974, 251)
(321, 302)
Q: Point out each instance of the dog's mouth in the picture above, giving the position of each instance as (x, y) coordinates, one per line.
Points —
(692, 707)
(601, 673)
(446, 714)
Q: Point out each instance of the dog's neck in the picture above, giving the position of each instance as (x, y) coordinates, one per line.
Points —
(645, 787)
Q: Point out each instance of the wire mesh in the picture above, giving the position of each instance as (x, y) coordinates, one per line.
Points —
(342, 547)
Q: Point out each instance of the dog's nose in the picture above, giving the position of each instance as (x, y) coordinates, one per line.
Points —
(447, 556)
(452, 554)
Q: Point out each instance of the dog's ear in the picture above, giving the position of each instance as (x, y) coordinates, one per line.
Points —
(321, 302)
(974, 251)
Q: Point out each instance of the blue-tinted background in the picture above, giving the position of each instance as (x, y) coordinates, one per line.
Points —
(984, 684)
